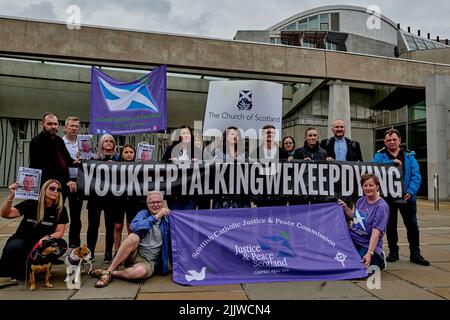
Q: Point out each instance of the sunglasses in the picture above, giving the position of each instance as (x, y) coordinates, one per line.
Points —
(51, 188)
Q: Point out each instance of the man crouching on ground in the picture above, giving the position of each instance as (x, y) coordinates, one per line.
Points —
(145, 248)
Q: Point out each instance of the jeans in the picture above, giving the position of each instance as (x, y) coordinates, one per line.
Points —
(409, 214)
(376, 260)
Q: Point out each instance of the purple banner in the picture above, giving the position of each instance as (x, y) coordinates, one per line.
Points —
(128, 107)
(291, 243)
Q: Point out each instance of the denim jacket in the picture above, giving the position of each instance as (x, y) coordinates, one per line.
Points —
(143, 223)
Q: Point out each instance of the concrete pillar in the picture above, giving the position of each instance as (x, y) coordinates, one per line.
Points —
(339, 106)
(438, 133)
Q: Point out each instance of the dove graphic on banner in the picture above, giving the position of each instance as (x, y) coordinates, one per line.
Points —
(194, 275)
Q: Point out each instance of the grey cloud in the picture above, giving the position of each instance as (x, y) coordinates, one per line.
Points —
(43, 10)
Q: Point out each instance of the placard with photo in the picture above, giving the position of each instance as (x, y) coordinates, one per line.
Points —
(145, 152)
(86, 146)
(29, 183)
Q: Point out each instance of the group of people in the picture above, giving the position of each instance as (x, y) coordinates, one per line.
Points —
(148, 245)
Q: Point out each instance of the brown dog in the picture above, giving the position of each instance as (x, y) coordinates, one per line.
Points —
(39, 262)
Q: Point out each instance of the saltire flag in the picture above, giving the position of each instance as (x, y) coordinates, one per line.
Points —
(290, 243)
(128, 107)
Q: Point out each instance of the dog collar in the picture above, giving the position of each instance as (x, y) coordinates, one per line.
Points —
(72, 261)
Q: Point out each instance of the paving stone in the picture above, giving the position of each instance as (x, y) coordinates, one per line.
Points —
(22, 293)
(305, 290)
(442, 291)
(399, 290)
(426, 278)
(165, 284)
(117, 289)
(442, 265)
(214, 295)
(436, 253)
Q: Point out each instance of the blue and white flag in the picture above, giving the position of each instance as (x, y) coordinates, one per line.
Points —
(128, 107)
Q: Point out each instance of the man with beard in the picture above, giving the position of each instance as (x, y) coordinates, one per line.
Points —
(48, 152)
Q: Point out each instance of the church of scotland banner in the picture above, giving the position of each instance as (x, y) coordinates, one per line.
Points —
(292, 243)
(128, 107)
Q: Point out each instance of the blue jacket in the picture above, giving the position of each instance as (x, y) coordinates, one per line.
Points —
(142, 223)
(411, 178)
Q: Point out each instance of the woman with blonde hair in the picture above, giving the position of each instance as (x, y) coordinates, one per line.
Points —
(106, 151)
(42, 220)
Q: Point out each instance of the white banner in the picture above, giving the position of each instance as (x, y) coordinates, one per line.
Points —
(248, 105)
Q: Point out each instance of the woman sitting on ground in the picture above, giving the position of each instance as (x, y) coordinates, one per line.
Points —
(42, 220)
(369, 222)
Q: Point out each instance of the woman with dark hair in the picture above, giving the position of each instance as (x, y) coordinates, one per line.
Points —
(42, 220)
(369, 218)
(181, 150)
(125, 206)
(231, 149)
(288, 146)
(106, 152)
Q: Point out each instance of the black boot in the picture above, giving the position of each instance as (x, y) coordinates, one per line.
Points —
(417, 258)
(392, 257)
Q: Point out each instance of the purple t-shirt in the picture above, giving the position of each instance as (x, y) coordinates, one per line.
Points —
(366, 217)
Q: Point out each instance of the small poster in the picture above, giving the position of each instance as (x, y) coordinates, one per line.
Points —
(85, 146)
(145, 152)
(29, 183)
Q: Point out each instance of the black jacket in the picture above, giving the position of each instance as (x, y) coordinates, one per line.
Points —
(353, 149)
(44, 150)
(315, 153)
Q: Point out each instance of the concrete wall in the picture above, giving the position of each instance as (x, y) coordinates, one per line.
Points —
(441, 55)
(438, 134)
(121, 47)
(253, 35)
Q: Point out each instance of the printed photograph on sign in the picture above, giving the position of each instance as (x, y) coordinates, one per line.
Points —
(85, 146)
(29, 181)
(145, 152)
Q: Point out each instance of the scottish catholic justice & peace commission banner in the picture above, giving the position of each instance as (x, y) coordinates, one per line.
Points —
(267, 244)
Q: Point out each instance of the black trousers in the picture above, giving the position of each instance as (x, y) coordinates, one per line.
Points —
(408, 211)
(94, 213)
(75, 205)
(13, 262)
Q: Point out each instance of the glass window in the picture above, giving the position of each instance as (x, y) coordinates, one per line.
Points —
(410, 42)
(303, 24)
(417, 111)
(417, 139)
(420, 43)
(430, 44)
(313, 23)
(324, 18)
(331, 46)
(308, 44)
(324, 26)
(292, 26)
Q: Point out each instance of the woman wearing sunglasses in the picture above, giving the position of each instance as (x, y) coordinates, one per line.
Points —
(42, 220)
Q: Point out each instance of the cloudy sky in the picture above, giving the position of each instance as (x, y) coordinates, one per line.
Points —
(221, 18)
